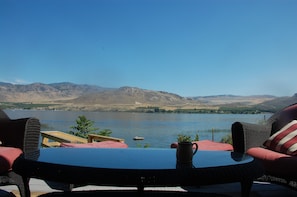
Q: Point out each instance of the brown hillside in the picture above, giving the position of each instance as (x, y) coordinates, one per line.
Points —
(132, 96)
(68, 96)
(39, 93)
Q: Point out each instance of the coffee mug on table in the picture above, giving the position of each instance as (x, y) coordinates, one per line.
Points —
(185, 152)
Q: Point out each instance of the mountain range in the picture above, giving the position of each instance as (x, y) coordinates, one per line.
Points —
(70, 96)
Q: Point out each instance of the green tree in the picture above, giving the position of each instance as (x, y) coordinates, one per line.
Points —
(105, 132)
(227, 139)
(83, 127)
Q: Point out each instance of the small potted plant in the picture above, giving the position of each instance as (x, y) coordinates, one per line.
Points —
(184, 151)
(182, 138)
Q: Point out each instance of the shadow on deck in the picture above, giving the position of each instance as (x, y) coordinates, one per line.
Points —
(259, 189)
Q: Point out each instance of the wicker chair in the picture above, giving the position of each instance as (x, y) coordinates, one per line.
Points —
(247, 137)
(22, 134)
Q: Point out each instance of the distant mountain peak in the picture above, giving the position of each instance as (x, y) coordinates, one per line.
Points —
(70, 95)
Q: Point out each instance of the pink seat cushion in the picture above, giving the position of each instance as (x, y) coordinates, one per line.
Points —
(7, 157)
(276, 163)
(103, 144)
(209, 145)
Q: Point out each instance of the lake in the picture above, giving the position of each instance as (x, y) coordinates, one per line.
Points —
(158, 129)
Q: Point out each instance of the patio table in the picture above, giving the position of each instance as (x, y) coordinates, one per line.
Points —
(139, 167)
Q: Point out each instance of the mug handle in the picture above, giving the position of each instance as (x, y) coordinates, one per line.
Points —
(196, 147)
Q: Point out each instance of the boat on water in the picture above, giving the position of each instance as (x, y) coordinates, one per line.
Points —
(138, 138)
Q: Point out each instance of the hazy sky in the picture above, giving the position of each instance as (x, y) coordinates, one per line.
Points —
(187, 47)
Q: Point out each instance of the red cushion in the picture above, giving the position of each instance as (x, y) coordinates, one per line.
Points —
(285, 140)
(7, 157)
(209, 145)
(275, 163)
(103, 144)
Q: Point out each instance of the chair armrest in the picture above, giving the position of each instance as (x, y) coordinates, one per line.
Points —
(247, 135)
(21, 133)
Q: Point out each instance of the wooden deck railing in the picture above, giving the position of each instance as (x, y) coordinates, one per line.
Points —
(95, 137)
(55, 138)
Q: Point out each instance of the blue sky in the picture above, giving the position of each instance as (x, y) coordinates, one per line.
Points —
(187, 47)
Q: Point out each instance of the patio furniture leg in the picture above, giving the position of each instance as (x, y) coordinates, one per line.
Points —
(22, 184)
(27, 192)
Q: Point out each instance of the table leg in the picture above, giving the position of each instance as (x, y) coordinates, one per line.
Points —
(246, 188)
(140, 190)
(140, 185)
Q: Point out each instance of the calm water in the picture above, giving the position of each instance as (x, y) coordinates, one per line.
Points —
(158, 130)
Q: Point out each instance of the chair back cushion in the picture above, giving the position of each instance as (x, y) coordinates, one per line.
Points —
(285, 140)
(3, 115)
(283, 117)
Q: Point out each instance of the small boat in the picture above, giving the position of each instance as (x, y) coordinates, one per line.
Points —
(138, 138)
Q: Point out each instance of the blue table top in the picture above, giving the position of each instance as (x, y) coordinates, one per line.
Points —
(136, 158)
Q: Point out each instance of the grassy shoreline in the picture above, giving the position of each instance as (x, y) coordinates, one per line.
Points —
(133, 108)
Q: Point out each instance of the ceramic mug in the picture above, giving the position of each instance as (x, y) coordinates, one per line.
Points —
(185, 152)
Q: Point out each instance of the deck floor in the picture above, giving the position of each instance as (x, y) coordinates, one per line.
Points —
(259, 189)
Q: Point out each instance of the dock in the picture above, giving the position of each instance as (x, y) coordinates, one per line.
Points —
(55, 138)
